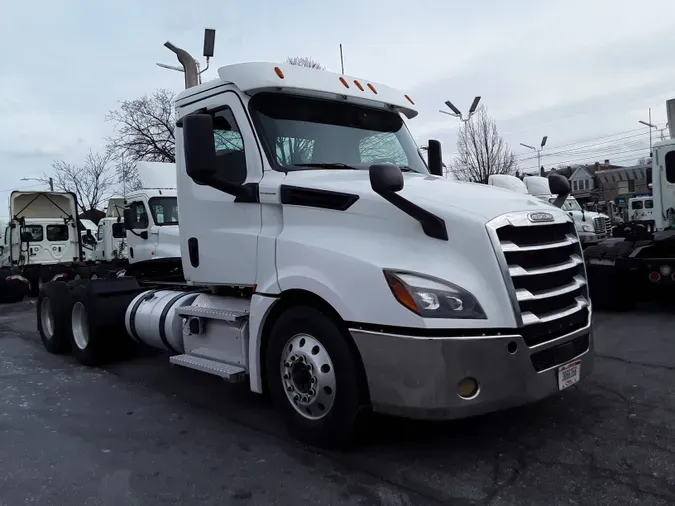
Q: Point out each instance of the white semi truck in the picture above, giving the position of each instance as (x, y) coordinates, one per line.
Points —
(325, 263)
(641, 265)
(42, 238)
(592, 227)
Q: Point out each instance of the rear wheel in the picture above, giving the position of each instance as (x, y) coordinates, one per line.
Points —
(98, 334)
(314, 377)
(53, 310)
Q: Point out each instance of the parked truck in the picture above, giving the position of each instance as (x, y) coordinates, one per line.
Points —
(592, 227)
(641, 265)
(42, 239)
(324, 262)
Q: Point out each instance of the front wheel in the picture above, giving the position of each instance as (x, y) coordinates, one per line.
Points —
(314, 377)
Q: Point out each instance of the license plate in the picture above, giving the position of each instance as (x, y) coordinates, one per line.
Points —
(569, 374)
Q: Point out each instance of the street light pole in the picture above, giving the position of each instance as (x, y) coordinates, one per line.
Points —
(538, 151)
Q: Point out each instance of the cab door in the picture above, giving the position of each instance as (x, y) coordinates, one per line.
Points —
(140, 245)
(219, 232)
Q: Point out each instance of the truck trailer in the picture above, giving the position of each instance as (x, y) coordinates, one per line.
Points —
(326, 263)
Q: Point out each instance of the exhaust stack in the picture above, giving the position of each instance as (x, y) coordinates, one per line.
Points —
(189, 64)
(670, 111)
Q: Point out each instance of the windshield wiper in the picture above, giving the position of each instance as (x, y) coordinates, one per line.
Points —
(336, 165)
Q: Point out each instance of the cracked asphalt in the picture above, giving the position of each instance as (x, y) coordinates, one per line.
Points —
(144, 433)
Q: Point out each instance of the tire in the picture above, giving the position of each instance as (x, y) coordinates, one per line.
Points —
(53, 316)
(98, 334)
(336, 369)
(81, 272)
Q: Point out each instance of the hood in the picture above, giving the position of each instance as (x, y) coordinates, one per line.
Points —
(480, 200)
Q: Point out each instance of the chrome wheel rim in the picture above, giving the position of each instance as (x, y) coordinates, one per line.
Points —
(308, 376)
(80, 325)
(47, 318)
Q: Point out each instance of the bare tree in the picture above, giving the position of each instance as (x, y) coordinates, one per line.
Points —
(93, 182)
(144, 130)
(304, 61)
(482, 151)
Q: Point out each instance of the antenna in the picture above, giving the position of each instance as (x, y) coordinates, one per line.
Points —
(189, 65)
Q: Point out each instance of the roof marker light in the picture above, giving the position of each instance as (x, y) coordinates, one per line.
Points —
(358, 85)
(279, 72)
(409, 99)
(344, 81)
(372, 88)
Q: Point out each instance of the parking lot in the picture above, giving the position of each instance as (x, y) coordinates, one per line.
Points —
(145, 433)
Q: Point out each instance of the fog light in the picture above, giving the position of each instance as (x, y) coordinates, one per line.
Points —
(467, 388)
(666, 270)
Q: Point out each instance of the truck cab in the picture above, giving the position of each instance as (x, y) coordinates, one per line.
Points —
(151, 214)
(43, 230)
(592, 227)
(327, 263)
(641, 208)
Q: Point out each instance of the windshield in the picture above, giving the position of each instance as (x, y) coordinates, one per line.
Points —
(568, 205)
(301, 133)
(164, 210)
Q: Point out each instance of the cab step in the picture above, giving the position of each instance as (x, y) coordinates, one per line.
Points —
(230, 372)
(230, 315)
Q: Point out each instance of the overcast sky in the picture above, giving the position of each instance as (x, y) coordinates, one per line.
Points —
(573, 70)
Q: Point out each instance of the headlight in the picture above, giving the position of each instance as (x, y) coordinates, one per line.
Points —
(431, 298)
(587, 228)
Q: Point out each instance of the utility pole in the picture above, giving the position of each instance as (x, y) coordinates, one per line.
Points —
(650, 125)
(538, 151)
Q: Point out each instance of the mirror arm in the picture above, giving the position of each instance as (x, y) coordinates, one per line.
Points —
(560, 199)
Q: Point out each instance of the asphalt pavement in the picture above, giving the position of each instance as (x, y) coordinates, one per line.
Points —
(144, 433)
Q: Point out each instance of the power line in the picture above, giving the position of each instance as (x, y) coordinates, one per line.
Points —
(585, 147)
(22, 188)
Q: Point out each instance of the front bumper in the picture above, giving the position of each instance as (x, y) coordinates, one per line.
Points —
(588, 238)
(417, 377)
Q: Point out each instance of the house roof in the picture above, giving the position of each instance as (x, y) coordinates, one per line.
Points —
(618, 174)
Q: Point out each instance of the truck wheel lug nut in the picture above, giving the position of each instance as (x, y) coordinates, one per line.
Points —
(286, 376)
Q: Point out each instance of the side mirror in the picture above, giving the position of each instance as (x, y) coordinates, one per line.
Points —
(117, 230)
(2, 250)
(435, 158)
(385, 178)
(199, 146)
(128, 222)
(26, 237)
(559, 185)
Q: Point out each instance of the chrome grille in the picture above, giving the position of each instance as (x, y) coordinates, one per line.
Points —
(608, 224)
(599, 225)
(544, 270)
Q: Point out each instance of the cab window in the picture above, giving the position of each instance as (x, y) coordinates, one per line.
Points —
(57, 233)
(229, 148)
(670, 167)
(649, 204)
(139, 215)
(35, 231)
(637, 204)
